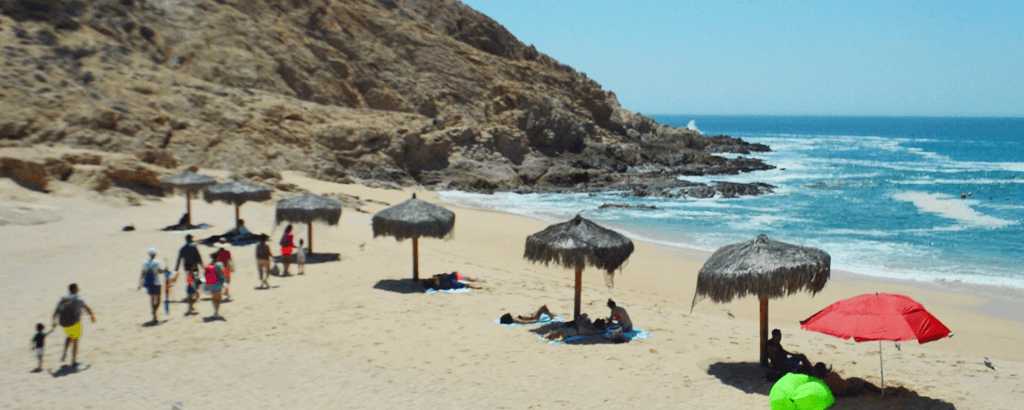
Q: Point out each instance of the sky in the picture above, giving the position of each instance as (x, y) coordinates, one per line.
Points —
(889, 58)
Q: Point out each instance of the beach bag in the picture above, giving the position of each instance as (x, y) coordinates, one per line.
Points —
(275, 270)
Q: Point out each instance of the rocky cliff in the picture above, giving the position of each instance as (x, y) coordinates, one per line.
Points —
(386, 92)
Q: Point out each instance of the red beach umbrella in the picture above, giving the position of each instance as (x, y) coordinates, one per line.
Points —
(877, 317)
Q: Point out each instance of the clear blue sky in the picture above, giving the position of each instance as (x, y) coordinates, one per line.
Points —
(933, 58)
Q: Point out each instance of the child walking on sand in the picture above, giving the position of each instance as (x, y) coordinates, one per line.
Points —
(300, 257)
(38, 341)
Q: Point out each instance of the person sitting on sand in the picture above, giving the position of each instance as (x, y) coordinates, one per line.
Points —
(783, 361)
(619, 316)
(507, 318)
(843, 387)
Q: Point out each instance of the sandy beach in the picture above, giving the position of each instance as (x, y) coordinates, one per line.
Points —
(340, 337)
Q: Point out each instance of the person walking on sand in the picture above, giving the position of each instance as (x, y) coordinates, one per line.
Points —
(215, 284)
(38, 341)
(224, 256)
(193, 261)
(69, 311)
(287, 247)
(263, 256)
(149, 278)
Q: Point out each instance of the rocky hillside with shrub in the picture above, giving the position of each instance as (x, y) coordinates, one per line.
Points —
(381, 92)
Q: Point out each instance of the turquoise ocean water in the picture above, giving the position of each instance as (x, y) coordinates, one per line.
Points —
(881, 195)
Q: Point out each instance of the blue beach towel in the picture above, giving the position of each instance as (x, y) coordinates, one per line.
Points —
(463, 290)
(544, 319)
(630, 336)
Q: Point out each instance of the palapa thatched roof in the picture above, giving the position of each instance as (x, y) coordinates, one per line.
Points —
(577, 243)
(188, 181)
(236, 192)
(763, 267)
(414, 218)
(308, 208)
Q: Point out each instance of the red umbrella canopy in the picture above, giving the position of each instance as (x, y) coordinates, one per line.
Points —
(877, 317)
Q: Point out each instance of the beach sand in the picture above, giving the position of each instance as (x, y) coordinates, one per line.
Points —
(342, 336)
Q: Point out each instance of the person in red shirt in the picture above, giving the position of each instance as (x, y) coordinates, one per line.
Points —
(224, 256)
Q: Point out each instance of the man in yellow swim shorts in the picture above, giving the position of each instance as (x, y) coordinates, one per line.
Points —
(69, 312)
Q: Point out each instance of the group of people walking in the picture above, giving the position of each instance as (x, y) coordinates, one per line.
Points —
(215, 276)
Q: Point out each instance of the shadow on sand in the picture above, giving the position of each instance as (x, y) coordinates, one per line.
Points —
(404, 286)
(749, 377)
(67, 369)
(313, 258)
(214, 318)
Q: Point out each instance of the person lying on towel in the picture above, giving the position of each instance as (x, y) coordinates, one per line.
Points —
(448, 281)
(508, 319)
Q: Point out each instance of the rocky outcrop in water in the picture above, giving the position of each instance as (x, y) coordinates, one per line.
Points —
(384, 92)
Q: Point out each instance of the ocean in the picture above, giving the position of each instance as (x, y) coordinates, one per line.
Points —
(881, 195)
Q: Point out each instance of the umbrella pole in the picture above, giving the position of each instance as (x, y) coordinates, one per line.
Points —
(236, 215)
(881, 367)
(311, 238)
(188, 207)
(579, 288)
(764, 331)
(416, 258)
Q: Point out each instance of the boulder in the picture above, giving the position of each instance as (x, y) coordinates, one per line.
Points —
(31, 175)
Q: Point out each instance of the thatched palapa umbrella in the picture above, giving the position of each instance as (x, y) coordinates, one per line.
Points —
(414, 218)
(237, 193)
(307, 208)
(577, 243)
(190, 182)
(763, 267)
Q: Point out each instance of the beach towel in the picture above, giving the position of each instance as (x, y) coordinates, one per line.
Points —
(463, 290)
(544, 319)
(630, 336)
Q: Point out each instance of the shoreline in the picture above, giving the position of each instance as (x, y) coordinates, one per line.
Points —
(1007, 300)
(1002, 301)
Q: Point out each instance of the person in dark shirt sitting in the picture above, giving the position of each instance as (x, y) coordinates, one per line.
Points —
(784, 361)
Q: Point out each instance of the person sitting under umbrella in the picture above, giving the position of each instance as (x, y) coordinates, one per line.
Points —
(783, 361)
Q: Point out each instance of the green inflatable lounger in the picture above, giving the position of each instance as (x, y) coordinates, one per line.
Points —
(800, 392)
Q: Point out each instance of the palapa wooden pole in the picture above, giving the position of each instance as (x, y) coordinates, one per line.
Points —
(764, 331)
(579, 288)
(188, 207)
(310, 237)
(416, 258)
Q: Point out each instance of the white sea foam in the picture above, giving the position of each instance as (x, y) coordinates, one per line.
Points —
(948, 207)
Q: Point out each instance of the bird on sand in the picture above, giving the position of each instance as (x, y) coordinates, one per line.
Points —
(362, 245)
(898, 346)
(988, 363)
(729, 312)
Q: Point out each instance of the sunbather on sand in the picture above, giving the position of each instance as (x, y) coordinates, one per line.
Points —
(843, 387)
(534, 318)
(447, 281)
(579, 327)
(784, 361)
